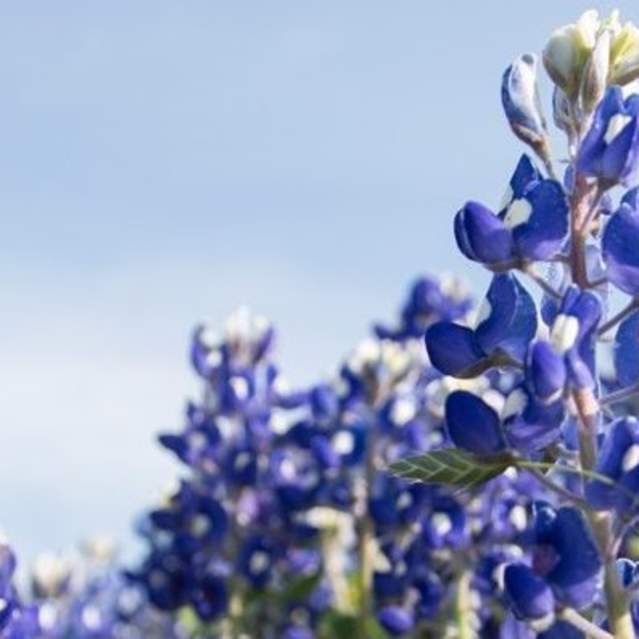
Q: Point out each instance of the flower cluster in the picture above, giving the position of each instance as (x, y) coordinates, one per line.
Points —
(465, 473)
(233, 543)
(567, 416)
(86, 596)
(18, 620)
(287, 523)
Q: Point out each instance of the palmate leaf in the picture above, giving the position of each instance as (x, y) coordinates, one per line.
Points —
(451, 467)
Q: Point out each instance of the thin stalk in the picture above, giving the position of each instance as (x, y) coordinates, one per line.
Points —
(541, 282)
(463, 607)
(560, 490)
(583, 203)
(620, 395)
(580, 212)
(621, 315)
(365, 542)
(581, 623)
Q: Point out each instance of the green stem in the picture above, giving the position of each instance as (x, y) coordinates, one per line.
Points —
(366, 538)
(617, 605)
(584, 198)
(581, 623)
(463, 607)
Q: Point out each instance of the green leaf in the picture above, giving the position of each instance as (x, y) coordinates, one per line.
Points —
(300, 588)
(374, 630)
(338, 625)
(451, 467)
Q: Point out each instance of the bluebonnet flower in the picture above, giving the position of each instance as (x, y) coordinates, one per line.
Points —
(626, 350)
(565, 566)
(473, 425)
(531, 225)
(88, 597)
(548, 403)
(530, 596)
(545, 372)
(396, 620)
(619, 461)
(17, 619)
(610, 149)
(573, 333)
(520, 99)
(428, 300)
(256, 466)
(619, 245)
(506, 323)
(524, 423)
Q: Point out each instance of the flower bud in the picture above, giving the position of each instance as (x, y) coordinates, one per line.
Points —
(520, 98)
(567, 51)
(561, 112)
(610, 149)
(624, 55)
(595, 75)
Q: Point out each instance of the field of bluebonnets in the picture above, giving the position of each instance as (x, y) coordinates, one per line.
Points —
(473, 471)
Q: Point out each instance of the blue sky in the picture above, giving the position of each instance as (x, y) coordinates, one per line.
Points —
(163, 162)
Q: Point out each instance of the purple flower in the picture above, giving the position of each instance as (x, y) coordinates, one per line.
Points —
(626, 351)
(531, 424)
(619, 461)
(473, 425)
(610, 150)
(520, 99)
(529, 595)
(396, 620)
(482, 236)
(454, 349)
(573, 333)
(428, 300)
(545, 372)
(507, 322)
(531, 226)
(566, 555)
(620, 243)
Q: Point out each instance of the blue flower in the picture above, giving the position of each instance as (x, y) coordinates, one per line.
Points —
(566, 555)
(454, 349)
(520, 99)
(531, 424)
(525, 423)
(506, 324)
(210, 597)
(473, 425)
(482, 236)
(620, 245)
(297, 632)
(626, 350)
(573, 333)
(610, 149)
(532, 225)
(428, 300)
(396, 620)
(545, 372)
(256, 560)
(446, 524)
(530, 597)
(619, 461)
(628, 572)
